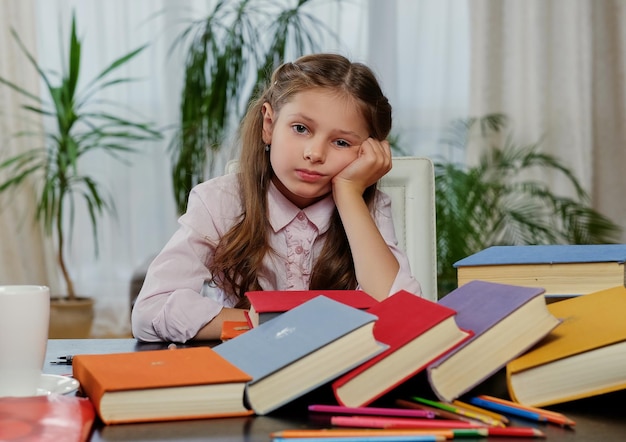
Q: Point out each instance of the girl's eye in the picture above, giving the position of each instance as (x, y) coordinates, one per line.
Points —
(342, 143)
(300, 128)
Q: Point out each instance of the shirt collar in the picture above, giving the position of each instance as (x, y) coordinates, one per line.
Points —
(282, 211)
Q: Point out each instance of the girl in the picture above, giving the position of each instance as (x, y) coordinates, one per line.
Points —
(302, 213)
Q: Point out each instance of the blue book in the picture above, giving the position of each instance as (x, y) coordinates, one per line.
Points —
(506, 320)
(561, 270)
(300, 350)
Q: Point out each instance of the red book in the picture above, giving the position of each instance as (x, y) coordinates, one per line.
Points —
(417, 331)
(265, 305)
(48, 418)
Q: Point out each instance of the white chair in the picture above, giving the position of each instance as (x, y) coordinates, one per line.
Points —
(411, 186)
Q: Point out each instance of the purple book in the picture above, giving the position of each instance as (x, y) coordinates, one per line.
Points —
(506, 320)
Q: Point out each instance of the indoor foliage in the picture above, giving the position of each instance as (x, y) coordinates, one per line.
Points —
(495, 202)
(78, 126)
(229, 54)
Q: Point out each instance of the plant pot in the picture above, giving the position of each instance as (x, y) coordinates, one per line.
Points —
(71, 319)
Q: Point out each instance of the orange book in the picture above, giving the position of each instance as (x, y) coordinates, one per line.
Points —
(46, 418)
(185, 383)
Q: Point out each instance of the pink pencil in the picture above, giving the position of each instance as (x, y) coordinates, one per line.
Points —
(399, 422)
(398, 412)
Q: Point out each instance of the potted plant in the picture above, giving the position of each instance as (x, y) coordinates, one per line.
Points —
(78, 126)
(229, 54)
(496, 203)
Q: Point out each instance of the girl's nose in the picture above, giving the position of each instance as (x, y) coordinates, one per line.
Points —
(315, 152)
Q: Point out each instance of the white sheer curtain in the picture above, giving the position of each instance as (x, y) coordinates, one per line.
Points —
(419, 49)
(557, 69)
(25, 256)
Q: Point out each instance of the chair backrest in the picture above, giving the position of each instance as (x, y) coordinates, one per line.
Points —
(411, 186)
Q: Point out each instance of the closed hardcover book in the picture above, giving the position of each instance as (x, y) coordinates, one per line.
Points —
(417, 331)
(52, 417)
(561, 270)
(506, 320)
(267, 304)
(157, 385)
(584, 356)
(300, 350)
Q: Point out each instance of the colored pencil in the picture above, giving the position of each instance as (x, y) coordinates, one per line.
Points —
(399, 422)
(326, 434)
(438, 411)
(422, 438)
(507, 409)
(360, 432)
(502, 418)
(399, 412)
(552, 416)
(462, 412)
(499, 432)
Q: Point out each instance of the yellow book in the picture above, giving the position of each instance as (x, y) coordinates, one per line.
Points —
(583, 356)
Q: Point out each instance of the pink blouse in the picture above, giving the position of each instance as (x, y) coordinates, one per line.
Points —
(175, 303)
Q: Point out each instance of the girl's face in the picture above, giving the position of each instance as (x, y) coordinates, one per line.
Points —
(313, 138)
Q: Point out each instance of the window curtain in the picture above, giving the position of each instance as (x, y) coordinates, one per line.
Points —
(418, 48)
(556, 68)
(25, 254)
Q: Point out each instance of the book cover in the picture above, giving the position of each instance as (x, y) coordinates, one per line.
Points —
(267, 304)
(417, 331)
(559, 269)
(52, 417)
(153, 385)
(506, 320)
(546, 254)
(300, 350)
(231, 329)
(584, 356)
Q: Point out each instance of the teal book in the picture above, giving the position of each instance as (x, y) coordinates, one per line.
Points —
(300, 350)
(505, 320)
(561, 270)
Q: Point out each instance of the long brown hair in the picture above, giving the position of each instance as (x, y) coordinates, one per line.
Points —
(240, 252)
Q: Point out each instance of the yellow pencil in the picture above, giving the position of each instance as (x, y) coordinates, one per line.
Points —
(476, 409)
(462, 412)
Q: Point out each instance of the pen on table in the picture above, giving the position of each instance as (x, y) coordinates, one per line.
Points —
(399, 412)
(551, 416)
(63, 360)
(459, 411)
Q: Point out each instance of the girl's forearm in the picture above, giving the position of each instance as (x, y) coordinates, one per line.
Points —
(375, 265)
(213, 329)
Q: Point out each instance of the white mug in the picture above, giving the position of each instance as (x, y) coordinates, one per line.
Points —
(24, 319)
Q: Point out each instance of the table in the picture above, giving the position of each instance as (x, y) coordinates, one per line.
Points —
(601, 418)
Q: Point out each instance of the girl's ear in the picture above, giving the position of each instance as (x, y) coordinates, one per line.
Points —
(268, 122)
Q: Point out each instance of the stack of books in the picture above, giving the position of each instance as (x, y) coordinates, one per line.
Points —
(364, 353)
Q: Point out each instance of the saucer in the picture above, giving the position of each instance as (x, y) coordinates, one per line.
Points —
(52, 383)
